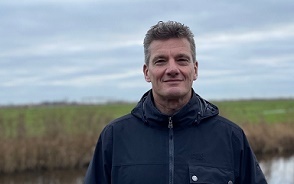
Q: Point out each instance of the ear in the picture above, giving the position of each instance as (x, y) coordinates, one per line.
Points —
(146, 73)
(195, 70)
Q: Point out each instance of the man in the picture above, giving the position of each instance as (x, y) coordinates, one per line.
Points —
(172, 136)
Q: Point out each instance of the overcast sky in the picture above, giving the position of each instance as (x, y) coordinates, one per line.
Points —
(91, 50)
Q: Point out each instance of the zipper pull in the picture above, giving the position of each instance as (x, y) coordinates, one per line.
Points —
(170, 122)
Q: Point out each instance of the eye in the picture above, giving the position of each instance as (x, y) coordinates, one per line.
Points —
(183, 61)
(159, 61)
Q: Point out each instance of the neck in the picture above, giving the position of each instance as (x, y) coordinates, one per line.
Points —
(170, 106)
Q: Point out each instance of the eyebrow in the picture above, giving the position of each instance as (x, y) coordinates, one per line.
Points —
(159, 57)
(180, 55)
(183, 56)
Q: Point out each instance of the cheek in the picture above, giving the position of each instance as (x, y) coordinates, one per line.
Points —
(156, 74)
(191, 74)
(194, 76)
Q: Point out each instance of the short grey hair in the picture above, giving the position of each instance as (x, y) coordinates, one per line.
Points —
(166, 30)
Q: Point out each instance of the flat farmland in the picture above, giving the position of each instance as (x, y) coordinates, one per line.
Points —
(63, 136)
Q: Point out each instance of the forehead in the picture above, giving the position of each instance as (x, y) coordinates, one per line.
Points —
(170, 46)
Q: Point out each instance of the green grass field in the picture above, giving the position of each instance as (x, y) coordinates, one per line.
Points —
(63, 136)
(258, 111)
(72, 119)
(69, 119)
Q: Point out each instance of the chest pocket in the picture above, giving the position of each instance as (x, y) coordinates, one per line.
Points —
(210, 175)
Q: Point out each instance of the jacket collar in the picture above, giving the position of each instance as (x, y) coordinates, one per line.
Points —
(193, 112)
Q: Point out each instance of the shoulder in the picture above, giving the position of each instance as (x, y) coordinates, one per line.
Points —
(232, 126)
(118, 122)
(121, 120)
(227, 122)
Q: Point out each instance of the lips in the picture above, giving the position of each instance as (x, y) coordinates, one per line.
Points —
(173, 80)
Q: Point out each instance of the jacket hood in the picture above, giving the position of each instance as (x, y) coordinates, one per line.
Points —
(196, 110)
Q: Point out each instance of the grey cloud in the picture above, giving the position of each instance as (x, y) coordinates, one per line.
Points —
(61, 49)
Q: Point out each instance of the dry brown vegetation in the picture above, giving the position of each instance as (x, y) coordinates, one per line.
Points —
(264, 138)
(63, 137)
(48, 137)
(45, 153)
(68, 152)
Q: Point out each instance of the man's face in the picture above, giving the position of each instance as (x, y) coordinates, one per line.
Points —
(171, 69)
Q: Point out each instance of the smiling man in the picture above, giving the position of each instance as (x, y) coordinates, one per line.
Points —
(171, 71)
(172, 136)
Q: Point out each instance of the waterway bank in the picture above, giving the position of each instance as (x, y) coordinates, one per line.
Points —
(277, 169)
(63, 136)
(75, 152)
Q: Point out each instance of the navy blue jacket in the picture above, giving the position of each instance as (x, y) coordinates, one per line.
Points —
(195, 145)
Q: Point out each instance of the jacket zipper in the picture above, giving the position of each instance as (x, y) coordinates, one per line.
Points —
(171, 151)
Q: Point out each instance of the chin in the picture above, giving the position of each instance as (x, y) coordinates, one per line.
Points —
(179, 92)
(175, 94)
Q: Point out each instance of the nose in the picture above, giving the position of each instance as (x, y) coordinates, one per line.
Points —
(172, 68)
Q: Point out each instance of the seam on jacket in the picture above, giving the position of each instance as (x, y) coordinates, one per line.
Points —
(135, 164)
(231, 124)
(213, 166)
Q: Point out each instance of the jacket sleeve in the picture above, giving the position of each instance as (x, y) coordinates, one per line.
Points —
(246, 165)
(99, 170)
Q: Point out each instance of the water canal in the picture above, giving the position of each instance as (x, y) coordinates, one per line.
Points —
(276, 169)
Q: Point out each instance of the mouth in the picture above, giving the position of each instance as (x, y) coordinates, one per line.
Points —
(173, 80)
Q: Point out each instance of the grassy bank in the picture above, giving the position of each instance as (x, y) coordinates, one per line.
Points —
(63, 136)
(50, 137)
